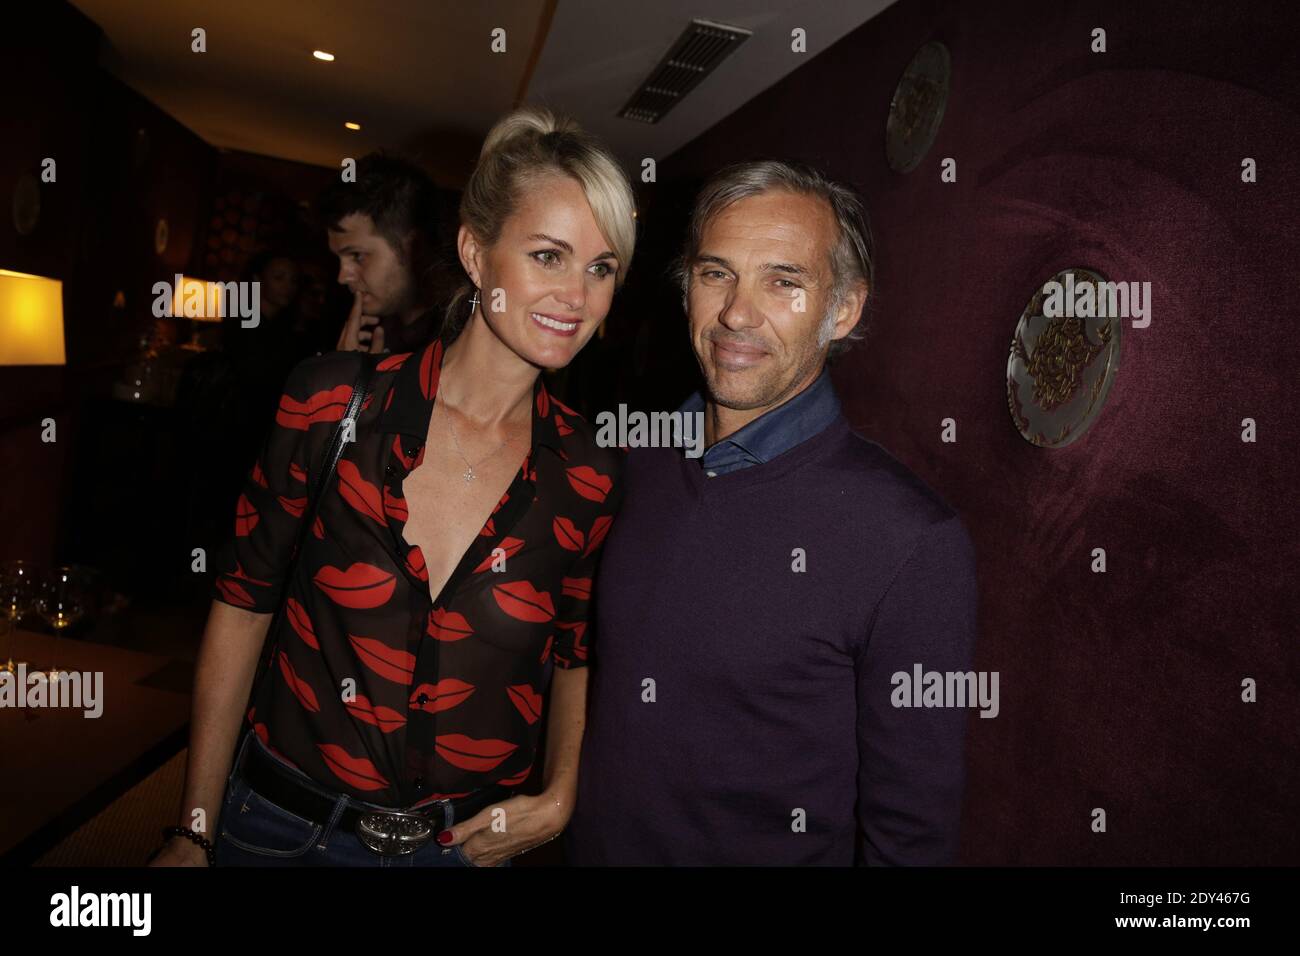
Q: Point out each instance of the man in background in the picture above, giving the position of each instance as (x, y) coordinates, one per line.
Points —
(385, 229)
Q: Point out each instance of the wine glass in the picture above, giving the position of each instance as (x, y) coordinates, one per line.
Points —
(61, 602)
(17, 597)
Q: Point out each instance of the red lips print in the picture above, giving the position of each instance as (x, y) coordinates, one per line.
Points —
(567, 534)
(527, 701)
(300, 688)
(447, 625)
(599, 528)
(430, 367)
(562, 426)
(579, 629)
(301, 623)
(245, 517)
(357, 772)
(543, 402)
(324, 406)
(415, 563)
(576, 588)
(294, 506)
(257, 475)
(444, 695)
(360, 586)
(511, 547)
(550, 640)
(242, 575)
(234, 593)
(359, 493)
(389, 663)
(466, 753)
(400, 453)
(588, 482)
(385, 718)
(517, 779)
(393, 362)
(564, 408)
(318, 528)
(296, 472)
(394, 506)
(524, 602)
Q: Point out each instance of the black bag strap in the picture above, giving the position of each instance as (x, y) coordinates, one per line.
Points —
(329, 465)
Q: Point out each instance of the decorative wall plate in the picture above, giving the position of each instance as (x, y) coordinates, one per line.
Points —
(1060, 369)
(917, 107)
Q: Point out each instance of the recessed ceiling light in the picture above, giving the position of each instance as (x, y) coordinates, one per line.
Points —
(322, 55)
(353, 126)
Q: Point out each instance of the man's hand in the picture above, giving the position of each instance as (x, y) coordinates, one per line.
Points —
(529, 822)
(180, 852)
(361, 332)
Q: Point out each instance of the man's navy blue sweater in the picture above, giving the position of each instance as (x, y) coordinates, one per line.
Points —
(748, 630)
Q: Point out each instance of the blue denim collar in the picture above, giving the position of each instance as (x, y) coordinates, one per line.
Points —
(773, 432)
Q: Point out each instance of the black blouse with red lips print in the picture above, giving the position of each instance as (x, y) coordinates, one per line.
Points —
(378, 688)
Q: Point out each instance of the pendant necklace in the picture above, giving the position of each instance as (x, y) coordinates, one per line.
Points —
(469, 469)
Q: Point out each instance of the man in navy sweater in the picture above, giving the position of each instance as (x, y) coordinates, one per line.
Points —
(761, 610)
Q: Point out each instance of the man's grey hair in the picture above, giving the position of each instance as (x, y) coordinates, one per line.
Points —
(852, 257)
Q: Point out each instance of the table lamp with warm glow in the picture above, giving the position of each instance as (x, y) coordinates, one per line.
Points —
(31, 320)
(205, 299)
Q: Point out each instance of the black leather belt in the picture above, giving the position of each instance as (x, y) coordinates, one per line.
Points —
(388, 832)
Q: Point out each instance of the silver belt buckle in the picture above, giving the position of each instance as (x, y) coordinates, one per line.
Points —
(394, 833)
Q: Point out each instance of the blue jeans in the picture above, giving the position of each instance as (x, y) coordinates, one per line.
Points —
(253, 831)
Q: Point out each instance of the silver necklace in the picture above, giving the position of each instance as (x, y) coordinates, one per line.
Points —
(469, 469)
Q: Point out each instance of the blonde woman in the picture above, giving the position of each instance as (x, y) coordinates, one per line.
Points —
(438, 611)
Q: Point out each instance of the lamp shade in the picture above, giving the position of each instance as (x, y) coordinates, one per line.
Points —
(31, 320)
(199, 299)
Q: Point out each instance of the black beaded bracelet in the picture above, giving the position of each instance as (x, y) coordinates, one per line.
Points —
(204, 842)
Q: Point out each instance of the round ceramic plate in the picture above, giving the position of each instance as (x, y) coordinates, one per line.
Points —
(1061, 368)
(917, 107)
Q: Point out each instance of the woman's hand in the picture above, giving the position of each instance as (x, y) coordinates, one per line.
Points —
(527, 822)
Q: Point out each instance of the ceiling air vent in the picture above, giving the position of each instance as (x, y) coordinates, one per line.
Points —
(694, 55)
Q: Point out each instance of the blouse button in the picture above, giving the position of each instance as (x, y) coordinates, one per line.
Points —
(422, 699)
(419, 783)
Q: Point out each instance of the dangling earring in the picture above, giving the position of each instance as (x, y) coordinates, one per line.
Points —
(473, 302)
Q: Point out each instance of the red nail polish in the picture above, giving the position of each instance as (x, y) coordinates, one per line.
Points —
(444, 837)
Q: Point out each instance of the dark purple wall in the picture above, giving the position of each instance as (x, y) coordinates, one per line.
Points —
(1118, 690)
